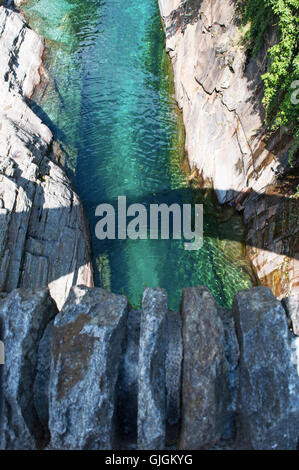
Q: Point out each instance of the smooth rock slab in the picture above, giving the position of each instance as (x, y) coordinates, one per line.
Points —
(25, 315)
(206, 396)
(268, 403)
(152, 381)
(86, 354)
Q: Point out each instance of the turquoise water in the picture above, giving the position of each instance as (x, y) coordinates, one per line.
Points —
(110, 103)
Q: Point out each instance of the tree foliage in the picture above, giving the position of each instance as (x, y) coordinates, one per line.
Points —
(282, 71)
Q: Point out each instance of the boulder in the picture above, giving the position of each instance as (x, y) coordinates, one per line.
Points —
(25, 315)
(86, 354)
(151, 423)
(268, 402)
(206, 396)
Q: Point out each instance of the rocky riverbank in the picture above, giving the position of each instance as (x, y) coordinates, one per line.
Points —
(44, 233)
(220, 89)
(83, 370)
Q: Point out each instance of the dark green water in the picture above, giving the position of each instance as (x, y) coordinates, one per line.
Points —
(110, 103)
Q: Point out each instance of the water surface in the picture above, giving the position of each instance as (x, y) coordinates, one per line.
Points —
(110, 103)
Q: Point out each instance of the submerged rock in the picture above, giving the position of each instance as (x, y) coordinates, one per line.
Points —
(86, 355)
(268, 403)
(25, 315)
(151, 375)
(206, 396)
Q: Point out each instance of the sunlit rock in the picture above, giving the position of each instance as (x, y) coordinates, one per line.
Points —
(151, 373)
(268, 403)
(86, 355)
(44, 234)
(206, 394)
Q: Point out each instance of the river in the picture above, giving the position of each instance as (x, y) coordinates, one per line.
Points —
(108, 98)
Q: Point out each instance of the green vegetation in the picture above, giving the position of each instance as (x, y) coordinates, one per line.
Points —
(296, 195)
(282, 59)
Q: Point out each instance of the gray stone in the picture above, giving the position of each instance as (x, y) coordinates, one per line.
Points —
(291, 306)
(205, 390)
(129, 379)
(86, 354)
(173, 367)
(41, 383)
(232, 353)
(152, 381)
(25, 315)
(268, 404)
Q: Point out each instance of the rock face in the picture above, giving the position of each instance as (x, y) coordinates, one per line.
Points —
(97, 377)
(151, 421)
(206, 392)
(151, 374)
(232, 354)
(220, 92)
(44, 237)
(42, 378)
(86, 355)
(268, 403)
(25, 315)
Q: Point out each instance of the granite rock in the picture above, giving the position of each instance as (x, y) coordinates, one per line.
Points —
(219, 88)
(151, 423)
(86, 354)
(44, 236)
(42, 378)
(206, 395)
(268, 403)
(24, 315)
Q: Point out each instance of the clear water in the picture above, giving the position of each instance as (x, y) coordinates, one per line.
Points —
(110, 102)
